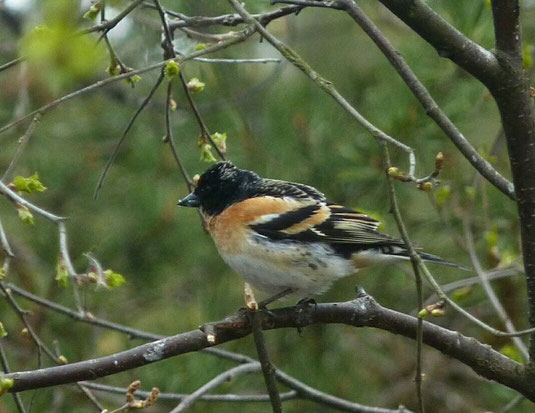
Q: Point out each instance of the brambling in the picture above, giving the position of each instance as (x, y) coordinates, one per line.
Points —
(285, 237)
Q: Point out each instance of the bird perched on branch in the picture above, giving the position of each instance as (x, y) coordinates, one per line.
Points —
(285, 237)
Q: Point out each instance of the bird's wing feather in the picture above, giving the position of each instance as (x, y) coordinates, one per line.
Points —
(324, 222)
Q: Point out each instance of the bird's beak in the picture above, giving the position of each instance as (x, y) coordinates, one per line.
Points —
(191, 201)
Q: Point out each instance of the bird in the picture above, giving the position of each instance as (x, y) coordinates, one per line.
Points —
(286, 238)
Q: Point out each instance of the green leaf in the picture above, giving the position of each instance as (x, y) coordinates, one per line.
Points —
(28, 185)
(470, 192)
(25, 215)
(132, 80)
(206, 153)
(58, 57)
(3, 331)
(113, 68)
(113, 279)
(512, 352)
(62, 274)
(195, 85)
(93, 11)
(220, 140)
(5, 385)
(172, 69)
(442, 195)
(2, 274)
(200, 46)
(491, 238)
(461, 294)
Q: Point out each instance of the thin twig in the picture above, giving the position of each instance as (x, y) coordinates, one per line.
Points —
(227, 376)
(11, 63)
(324, 84)
(23, 141)
(436, 287)
(238, 37)
(233, 398)
(268, 370)
(426, 100)
(112, 157)
(5, 367)
(489, 291)
(325, 399)
(170, 139)
(238, 61)
(512, 404)
(110, 24)
(394, 209)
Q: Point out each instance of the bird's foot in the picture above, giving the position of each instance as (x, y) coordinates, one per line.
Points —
(263, 304)
(360, 292)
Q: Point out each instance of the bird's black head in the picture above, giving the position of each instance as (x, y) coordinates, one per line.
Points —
(219, 187)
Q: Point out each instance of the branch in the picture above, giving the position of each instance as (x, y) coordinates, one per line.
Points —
(237, 38)
(228, 19)
(227, 376)
(324, 84)
(362, 312)
(239, 398)
(303, 390)
(446, 39)
(106, 26)
(426, 100)
(507, 27)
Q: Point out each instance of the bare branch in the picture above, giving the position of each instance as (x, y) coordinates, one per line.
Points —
(112, 157)
(489, 291)
(268, 369)
(5, 367)
(507, 27)
(110, 24)
(233, 398)
(324, 84)
(237, 38)
(227, 376)
(359, 313)
(23, 141)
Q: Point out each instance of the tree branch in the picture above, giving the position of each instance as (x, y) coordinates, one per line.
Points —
(362, 312)
(446, 39)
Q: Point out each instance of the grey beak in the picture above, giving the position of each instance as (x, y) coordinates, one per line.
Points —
(191, 201)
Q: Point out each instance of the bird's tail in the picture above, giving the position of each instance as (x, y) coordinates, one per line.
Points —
(400, 252)
(434, 259)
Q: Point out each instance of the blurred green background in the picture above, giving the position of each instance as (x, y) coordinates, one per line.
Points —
(282, 126)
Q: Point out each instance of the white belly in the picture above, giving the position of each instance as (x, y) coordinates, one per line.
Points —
(273, 267)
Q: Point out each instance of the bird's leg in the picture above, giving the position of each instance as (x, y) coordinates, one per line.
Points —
(284, 293)
(250, 299)
(307, 301)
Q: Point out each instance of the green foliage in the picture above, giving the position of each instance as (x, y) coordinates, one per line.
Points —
(282, 127)
(220, 139)
(511, 351)
(113, 279)
(2, 273)
(5, 385)
(28, 185)
(93, 11)
(3, 331)
(442, 195)
(62, 274)
(25, 215)
(60, 57)
(195, 85)
(206, 153)
(172, 69)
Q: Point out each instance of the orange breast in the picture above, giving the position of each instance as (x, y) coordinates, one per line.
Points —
(229, 228)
